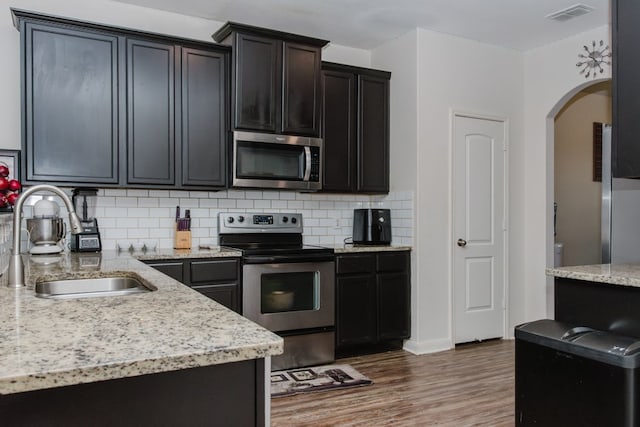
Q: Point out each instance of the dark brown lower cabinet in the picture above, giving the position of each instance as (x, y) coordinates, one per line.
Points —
(231, 394)
(601, 306)
(372, 301)
(216, 278)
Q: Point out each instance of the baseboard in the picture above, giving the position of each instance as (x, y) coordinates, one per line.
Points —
(425, 347)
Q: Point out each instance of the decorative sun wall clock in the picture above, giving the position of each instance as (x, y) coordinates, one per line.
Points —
(592, 60)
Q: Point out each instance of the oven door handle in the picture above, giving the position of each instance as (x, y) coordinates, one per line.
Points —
(277, 259)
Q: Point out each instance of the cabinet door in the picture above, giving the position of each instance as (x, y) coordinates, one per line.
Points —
(355, 310)
(226, 295)
(71, 105)
(393, 306)
(204, 113)
(626, 90)
(339, 131)
(150, 113)
(174, 269)
(258, 83)
(301, 90)
(373, 134)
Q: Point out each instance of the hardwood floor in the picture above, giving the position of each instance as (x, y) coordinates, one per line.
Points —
(472, 385)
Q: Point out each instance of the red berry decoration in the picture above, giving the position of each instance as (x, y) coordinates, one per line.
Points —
(4, 170)
(4, 183)
(14, 185)
(3, 201)
(12, 198)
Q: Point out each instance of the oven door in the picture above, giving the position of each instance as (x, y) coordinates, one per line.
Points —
(289, 296)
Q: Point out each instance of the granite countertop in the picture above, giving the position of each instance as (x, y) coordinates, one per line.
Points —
(48, 343)
(614, 274)
(346, 249)
(209, 251)
(217, 251)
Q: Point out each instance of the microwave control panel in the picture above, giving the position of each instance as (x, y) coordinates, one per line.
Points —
(315, 164)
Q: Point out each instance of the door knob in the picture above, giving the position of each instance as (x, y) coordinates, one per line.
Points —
(462, 243)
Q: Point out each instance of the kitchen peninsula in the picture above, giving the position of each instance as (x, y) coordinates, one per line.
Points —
(602, 296)
(170, 357)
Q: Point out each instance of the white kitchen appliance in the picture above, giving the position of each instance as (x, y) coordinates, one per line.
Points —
(46, 228)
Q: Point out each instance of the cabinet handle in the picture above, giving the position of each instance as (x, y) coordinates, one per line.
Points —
(462, 243)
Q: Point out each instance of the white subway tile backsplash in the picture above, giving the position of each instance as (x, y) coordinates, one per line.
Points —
(198, 194)
(126, 222)
(253, 195)
(138, 215)
(295, 204)
(137, 233)
(137, 193)
(235, 194)
(126, 202)
(179, 194)
(262, 204)
(138, 212)
(148, 202)
(227, 203)
(311, 204)
(278, 204)
(244, 204)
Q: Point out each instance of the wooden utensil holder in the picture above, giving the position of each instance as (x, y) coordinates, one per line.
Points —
(182, 240)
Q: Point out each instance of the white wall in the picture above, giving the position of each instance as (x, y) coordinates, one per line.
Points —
(400, 57)
(451, 73)
(551, 79)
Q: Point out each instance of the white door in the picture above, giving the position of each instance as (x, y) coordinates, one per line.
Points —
(479, 230)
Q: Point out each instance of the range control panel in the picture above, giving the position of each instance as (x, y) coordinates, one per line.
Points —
(229, 222)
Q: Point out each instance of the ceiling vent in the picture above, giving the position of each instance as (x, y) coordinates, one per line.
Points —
(570, 12)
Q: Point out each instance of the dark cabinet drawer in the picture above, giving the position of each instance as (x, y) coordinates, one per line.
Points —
(352, 264)
(226, 295)
(214, 271)
(392, 261)
(171, 269)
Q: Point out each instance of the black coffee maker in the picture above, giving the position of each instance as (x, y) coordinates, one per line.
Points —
(371, 227)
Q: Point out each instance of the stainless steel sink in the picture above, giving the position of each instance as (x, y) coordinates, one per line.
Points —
(95, 287)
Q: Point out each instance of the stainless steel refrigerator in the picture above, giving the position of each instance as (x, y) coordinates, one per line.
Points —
(620, 211)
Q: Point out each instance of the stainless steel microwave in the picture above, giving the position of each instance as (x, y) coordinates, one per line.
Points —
(262, 160)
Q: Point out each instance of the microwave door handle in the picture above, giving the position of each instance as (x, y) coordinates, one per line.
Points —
(307, 162)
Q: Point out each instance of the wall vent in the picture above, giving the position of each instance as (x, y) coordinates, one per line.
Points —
(570, 12)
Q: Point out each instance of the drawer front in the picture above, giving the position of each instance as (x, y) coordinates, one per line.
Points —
(171, 269)
(214, 271)
(392, 261)
(352, 264)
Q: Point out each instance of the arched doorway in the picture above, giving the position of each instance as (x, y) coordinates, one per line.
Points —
(577, 175)
(550, 144)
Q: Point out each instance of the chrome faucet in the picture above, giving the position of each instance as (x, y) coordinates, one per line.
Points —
(16, 267)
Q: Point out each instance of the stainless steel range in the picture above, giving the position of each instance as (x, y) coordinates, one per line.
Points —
(287, 287)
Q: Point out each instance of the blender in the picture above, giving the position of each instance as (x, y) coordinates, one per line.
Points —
(84, 203)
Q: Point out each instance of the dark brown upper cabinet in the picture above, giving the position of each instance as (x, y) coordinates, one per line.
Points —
(121, 108)
(70, 105)
(276, 82)
(625, 153)
(355, 129)
(150, 112)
